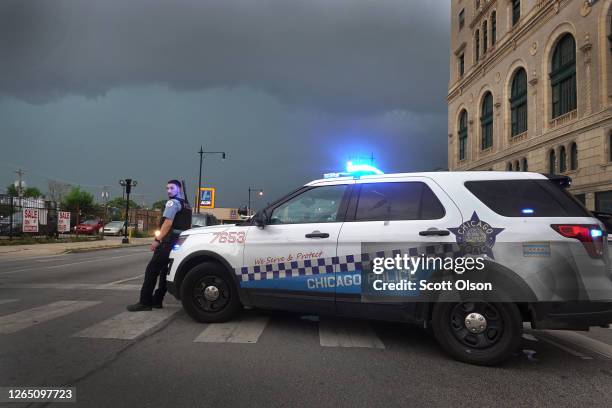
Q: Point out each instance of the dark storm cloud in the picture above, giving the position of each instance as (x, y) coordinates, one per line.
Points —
(333, 55)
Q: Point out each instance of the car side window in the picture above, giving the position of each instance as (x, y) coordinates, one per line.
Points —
(398, 201)
(316, 205)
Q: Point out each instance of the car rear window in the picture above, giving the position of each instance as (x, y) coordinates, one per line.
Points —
(527, 198)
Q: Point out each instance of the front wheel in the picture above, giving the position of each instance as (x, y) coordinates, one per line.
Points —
(483, 333)
(209, 295)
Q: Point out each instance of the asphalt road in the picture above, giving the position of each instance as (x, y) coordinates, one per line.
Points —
(63, 323)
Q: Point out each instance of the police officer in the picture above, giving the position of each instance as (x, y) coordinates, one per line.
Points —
(175, 219)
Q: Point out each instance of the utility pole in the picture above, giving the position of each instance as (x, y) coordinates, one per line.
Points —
(258, 191)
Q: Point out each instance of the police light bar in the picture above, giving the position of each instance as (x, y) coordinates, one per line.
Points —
(362, 169)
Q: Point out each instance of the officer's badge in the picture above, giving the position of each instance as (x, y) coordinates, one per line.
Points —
(476, 237)
(169, 204)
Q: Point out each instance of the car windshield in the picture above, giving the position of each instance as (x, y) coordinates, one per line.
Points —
(114, 224)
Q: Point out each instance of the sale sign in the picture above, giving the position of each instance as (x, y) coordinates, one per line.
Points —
(63, 221)
(30, 220)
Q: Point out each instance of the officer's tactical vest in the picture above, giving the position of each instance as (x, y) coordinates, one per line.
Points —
(180, 223)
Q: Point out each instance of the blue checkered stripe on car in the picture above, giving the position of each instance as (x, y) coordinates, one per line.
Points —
(345, 263)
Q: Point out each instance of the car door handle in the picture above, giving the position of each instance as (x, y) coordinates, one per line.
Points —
(431, 232)
(317, 234)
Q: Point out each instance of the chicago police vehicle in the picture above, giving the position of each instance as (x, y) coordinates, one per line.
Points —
(539, 254)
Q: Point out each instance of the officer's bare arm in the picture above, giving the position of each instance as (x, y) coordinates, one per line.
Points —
(165, 229)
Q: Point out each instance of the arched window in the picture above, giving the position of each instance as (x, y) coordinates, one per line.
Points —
(562, 160)
(551, 161)
(517, 166)
(525, 168)
(485, 37)
(477, 45)
(486, 121)
(509, 166)
(463, 134)
(518, 103)
(573, 156)
(563, 76)
(493, 28)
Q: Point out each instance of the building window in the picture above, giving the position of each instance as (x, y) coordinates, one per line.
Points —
(461, 18)
(610, 147)
(551, 161)
(563, 76)
(493, 28)
(518, 103)
(516, 11)
(509, 167)
(463, 134)
(517, 166)
(573, 156)
(603, 201)
(485, 36)
(562, 160)
(486, 121)
(525, 168)
(477, 45)
(477, 4)
(461, 63)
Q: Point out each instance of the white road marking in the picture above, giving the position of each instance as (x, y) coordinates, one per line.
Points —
(106, 258)
(348, 333)
(246, 330)
(127, 325)
(26, 318)
(69, 286)
(583, 341)
(529, 337)
(3, 301)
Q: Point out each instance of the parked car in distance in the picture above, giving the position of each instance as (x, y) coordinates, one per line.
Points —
(203, 220)
(89, 227)
(114, 228)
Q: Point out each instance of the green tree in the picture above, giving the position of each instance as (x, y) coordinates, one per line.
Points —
(82, 200)
(119, 202)
(159, 205)
(32, 192)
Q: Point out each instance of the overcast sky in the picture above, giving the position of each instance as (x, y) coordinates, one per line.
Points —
(95, 91)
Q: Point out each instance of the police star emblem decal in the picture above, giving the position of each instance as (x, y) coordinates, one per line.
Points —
(475, 236)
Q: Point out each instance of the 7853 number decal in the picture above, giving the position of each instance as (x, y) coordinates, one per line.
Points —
(228, 237)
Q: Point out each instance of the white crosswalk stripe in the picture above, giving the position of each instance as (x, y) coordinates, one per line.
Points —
(127, 325)
(348, 333)
(3, 301)
(15, 322)
(245, 330)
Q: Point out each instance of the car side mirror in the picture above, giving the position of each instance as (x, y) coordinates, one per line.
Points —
(260, 218)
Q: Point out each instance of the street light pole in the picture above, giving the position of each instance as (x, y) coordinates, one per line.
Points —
(128, 184)
(202, 153)
(257, 190)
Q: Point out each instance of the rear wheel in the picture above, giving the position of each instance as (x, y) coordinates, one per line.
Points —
(209, 295)
(484, 333)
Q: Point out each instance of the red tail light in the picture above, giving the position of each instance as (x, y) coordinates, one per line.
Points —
(591, 236)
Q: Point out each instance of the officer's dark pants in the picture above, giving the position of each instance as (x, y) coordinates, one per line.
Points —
(157, 267)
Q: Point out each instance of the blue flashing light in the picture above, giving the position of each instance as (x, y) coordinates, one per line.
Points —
(176, 247)
(527, 211)
(596, 233)
(362, 169)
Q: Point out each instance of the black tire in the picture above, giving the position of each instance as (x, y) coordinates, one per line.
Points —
(192, 294)
(494, 345)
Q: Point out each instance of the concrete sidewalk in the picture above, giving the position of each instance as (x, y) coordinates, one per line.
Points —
(65, 247)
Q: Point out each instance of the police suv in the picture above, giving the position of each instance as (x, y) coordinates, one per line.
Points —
(312, 251)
